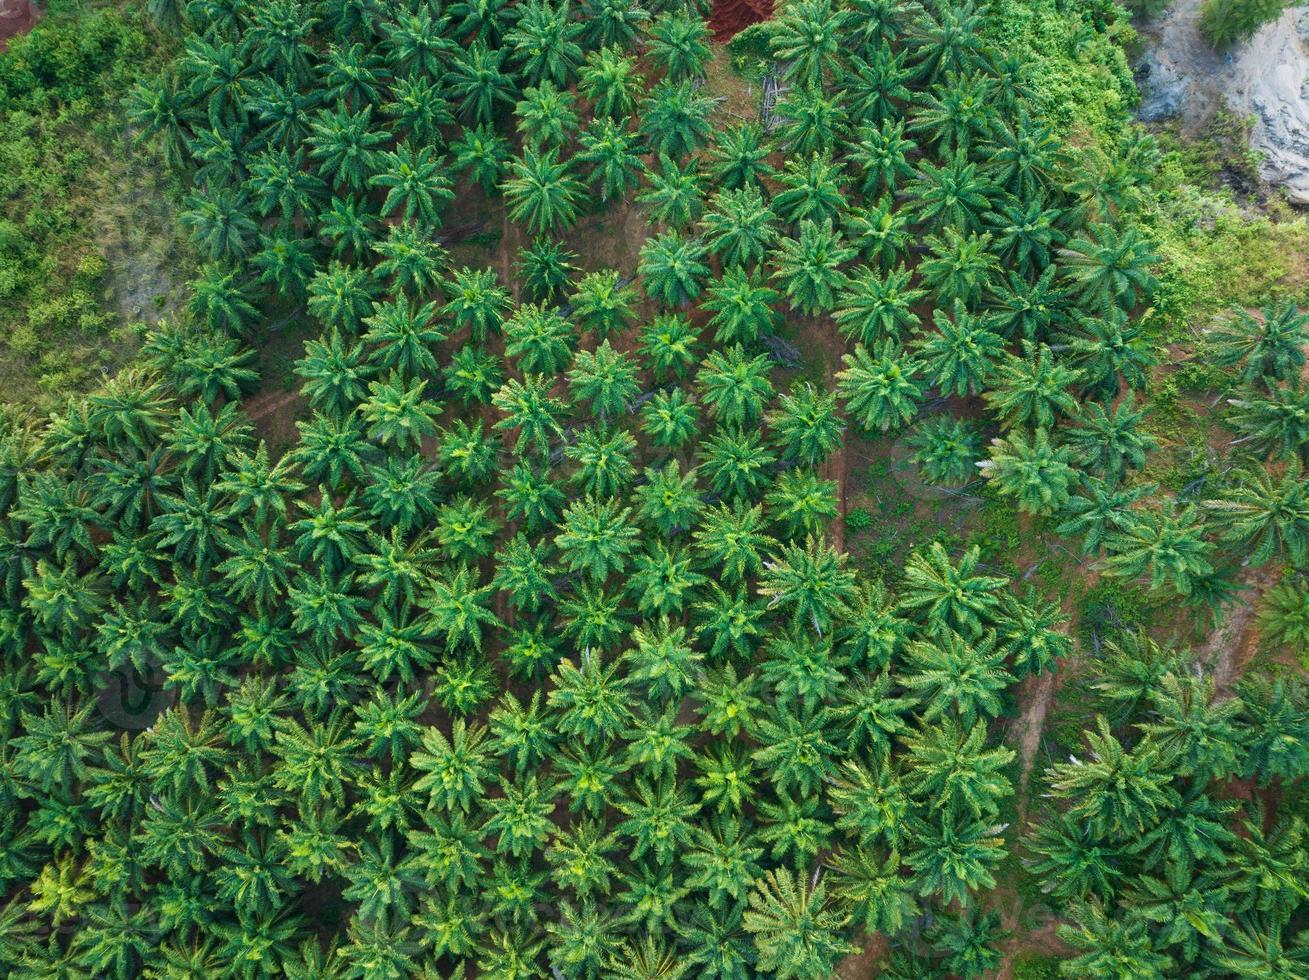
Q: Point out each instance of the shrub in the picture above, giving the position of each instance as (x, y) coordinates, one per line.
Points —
(1225, 22)
(858, 519)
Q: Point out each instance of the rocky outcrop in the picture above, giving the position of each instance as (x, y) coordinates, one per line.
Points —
(16, 17)
(1267, 79)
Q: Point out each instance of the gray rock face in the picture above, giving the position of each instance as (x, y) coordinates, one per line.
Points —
(1163, 89)
(1266, 78)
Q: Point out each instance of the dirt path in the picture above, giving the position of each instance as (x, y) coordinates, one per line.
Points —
(16, 17)
(1231, 645)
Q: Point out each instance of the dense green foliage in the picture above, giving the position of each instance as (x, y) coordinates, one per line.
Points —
(534, 653)
(61, 137)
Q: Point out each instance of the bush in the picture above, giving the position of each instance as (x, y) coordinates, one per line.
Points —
(858, 519)
(1225, 22)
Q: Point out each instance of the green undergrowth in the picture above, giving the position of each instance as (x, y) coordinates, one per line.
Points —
(78, 204)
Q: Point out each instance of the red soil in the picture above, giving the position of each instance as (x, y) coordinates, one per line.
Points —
(730, 17)
(16, 17)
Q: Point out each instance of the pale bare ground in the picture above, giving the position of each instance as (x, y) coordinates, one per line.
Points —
(1231, 645)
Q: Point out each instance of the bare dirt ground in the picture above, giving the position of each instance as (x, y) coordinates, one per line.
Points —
(16, 17)
(1230, 647)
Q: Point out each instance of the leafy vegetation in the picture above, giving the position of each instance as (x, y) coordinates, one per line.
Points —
(536, 652)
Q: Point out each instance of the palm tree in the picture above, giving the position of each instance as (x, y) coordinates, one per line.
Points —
(738, 157)
(1108, 443)
(677, 43)
(483, 155)
(528, 407)
(796, 927)
(605, 460)
(1276, 424)
(546, 116)
(411, 259)
(1167, 545)
(221, 300)
(739, 227)
(805, 424)
(397, 412)
(735, 387)
(675, 119)
(544, 40)
(1108, 267)
(880, 232)
(415, 183)
(811, 190)
(670, 418)
(285, 265)
(1037, 474)
(603, 303)
(742, 307)
(1266, 347)
(542, 191)
(478, 82)
(959, 267)
(546, 269)
(811, 582)
(954, 857)
(806, 38)
(610, 151)
(604, 378)
(220, 223)
(346, 146)
(672, 268)
(1121, 948)
(1118, 792)
(809, 267)
(539, 339)
(875, 307)
(402, 336)
(596, 538)
(1031, 389)
(953, 195)
(675, 196)
(477, 302)
(1268, 514)
(736, 462)
(610, 81)
(811, 121)
(879, 388)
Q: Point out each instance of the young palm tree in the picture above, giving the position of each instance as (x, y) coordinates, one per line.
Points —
(809, 268)
(546, 269)
(672, 269)
(611, 153)
(879, 387)
(1266, 347)
(678, 43)
(482, 155)
(954, 857)
(1112, 947)
(544, 40)
(805, 425)
(596, 538)
(1109, 444)
(1037, 474)
(796, 928)
(739, 227)
(542, 192)
(880, 232)
(959, 267)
